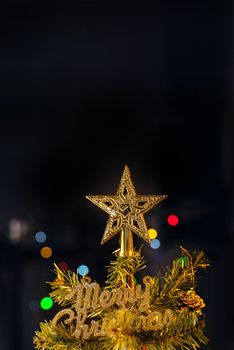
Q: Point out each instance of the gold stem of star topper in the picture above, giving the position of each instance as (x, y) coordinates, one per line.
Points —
(126, 242)
(126, 250)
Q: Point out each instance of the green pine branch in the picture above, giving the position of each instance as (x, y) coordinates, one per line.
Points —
(63, 286)
(186, 332)
(123, 270)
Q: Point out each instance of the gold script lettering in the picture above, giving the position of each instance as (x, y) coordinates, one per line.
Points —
(89, 296)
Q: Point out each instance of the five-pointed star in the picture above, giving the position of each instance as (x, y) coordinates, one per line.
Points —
(126, 208)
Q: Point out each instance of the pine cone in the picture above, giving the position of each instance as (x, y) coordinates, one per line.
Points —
(193, 301)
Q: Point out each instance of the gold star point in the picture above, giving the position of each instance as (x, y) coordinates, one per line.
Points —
(126, 208)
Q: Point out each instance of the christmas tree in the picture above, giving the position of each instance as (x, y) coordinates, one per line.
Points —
(164, 312)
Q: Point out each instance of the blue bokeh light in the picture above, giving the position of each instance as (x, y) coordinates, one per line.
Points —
(155, 243)
(83, 270)
(40, 237)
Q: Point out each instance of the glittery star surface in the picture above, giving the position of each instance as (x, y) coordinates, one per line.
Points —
(126, 208)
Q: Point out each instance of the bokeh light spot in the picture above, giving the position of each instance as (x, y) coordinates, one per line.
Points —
(155, 244)
(46, 252)
(34, 305)
(83, 270)
(46, 303)
(173, 220)
(40, 237)
(62, 265)
(152, 233)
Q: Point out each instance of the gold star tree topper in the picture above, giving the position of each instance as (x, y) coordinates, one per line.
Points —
(126, 211)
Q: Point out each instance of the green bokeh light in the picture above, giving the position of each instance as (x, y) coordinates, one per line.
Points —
(46, 303)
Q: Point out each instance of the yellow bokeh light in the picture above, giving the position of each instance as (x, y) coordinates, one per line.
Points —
(152, 233)
(46, 252)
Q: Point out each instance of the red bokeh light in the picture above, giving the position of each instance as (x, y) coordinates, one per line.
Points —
(173, 220)
(62, 265)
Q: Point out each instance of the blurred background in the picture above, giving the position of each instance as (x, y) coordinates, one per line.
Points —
(85, 89)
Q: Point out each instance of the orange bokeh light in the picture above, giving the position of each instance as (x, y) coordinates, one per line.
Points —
(46, 252)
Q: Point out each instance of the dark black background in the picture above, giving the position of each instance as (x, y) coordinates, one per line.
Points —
(88, 87)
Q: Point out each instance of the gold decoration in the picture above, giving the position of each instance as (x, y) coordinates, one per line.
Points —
(126, 211)
(162, 313)
(192, 301)
(90, 297)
